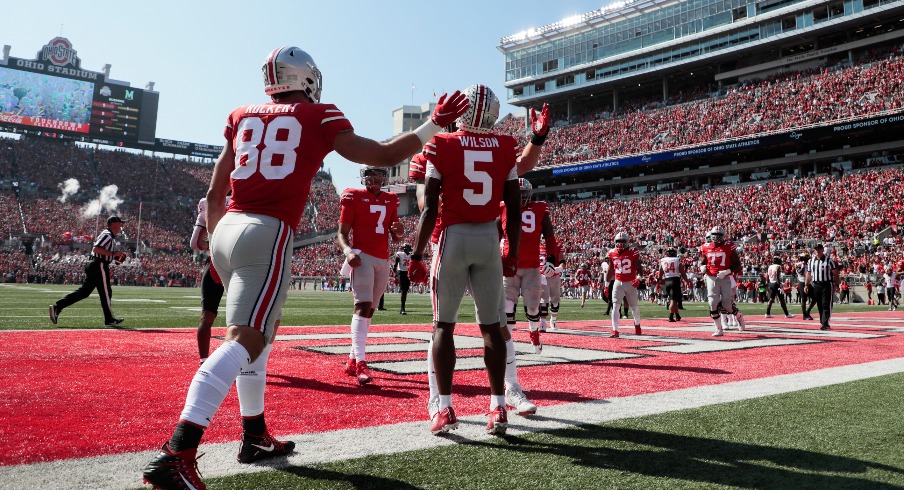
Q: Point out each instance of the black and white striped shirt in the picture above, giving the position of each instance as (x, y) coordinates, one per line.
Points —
(105, 241)
(821, 269)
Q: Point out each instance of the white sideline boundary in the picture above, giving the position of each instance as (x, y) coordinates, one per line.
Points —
(124, 470)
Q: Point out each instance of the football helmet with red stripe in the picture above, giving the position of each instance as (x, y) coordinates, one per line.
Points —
(290, 69)
(482, 111)
(527, 190)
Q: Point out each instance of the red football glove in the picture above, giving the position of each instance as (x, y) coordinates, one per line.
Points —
(417, 271)
(635, 282)
(447, 111)
(509, 266)
(540, 124)
(606, 291)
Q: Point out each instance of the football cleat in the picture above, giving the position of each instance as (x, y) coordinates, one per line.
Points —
(718, 333)
(498, 422)
(768, 315)
(517, 400)
(552, 325)
(535, 341)
(363, 373)
(351, 368)
(114, 322)
(614, 335)
(637, 330)
(171, 470)
(443, 421)
(542, 325)
(256, 448)
(789, 315)
(54, 313)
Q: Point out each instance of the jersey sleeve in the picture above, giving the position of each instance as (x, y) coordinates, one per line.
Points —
(417, 167)
(347, 205)
(333, 122)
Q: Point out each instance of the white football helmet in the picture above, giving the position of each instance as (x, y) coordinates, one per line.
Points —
(482, 111)
(290, 69)
(527, 190)
(374, 176)
(621, 240)
(717, 234)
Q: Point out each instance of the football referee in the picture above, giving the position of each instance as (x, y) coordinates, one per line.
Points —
(97, 274)
(821, 282)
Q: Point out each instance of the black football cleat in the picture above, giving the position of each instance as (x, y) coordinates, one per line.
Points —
(174, 471)
(256, 448)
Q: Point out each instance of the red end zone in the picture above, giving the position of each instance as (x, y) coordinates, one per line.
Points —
(69, 394)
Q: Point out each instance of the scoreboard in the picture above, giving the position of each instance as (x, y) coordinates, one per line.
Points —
(53, 95)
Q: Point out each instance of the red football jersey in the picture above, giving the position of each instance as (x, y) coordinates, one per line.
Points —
(582, 277)
(531, 230)
(417, 167)
(718, 256)
(625, 263)
(370, 217)
(275, 160)
(473, 169)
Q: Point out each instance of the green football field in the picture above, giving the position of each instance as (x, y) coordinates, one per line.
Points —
(848, 435)
(25, 307)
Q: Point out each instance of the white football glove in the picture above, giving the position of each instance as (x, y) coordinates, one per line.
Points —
(723, 274)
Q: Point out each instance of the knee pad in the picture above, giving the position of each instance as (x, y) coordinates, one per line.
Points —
(533, 318)
(714, 314)
(734, 309)
(510, 318)
(544, 310)
(554, 307)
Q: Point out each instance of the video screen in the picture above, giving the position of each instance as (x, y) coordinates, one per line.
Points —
(45, 101)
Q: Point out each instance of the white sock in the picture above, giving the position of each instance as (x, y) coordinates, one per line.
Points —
(497, 401)
(212, 382)
(431, 371)
(360, 326)
(445, 401)
(511, 366)
(616, 313)
(636, 311)
(251, 384)
(718, 322)
(533, 326)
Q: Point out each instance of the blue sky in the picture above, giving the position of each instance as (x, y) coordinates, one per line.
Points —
(205, 57)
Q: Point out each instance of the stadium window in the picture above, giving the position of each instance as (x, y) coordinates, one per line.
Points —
(590, 75)
(540, 86)
(738, 14)
(820, 13)
(789, 23)
(518, 91)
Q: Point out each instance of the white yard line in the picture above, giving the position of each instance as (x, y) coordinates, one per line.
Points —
(124, 470)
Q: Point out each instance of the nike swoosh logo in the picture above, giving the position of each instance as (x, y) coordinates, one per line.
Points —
(268, 449)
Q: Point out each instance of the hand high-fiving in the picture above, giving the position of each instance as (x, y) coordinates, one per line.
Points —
(449, 109)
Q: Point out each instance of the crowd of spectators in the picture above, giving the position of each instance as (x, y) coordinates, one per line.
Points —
(778, 102)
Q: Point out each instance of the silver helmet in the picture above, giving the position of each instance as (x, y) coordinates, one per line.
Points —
(527, 190)
(621, 240)
(717, 234)
(374, 176)
(482, 111)
(290, 69)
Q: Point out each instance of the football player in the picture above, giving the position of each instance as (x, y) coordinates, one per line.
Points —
(625, 269)
(400, 268)
(720, 258)
(474, 169)
(673, 274)
(774, 274)
(211, 284)
(268, 162)
(535, 222)
(582, 279)
(371, 216)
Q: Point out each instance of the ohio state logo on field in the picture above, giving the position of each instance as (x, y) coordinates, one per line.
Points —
(59, 52)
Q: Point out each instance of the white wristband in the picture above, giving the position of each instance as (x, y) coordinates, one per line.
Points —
(426, 131)
(347, 250)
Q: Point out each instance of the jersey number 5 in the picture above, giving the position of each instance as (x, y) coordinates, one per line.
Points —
(277, 159)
